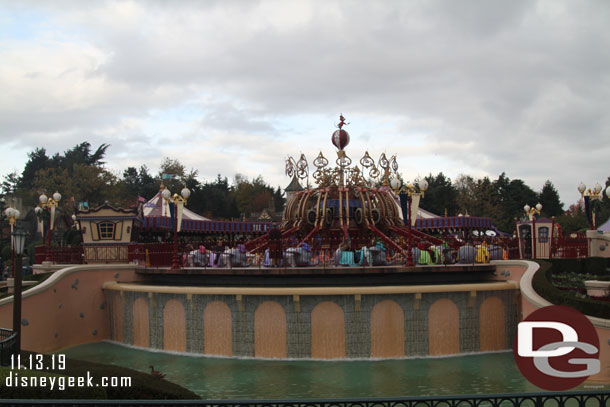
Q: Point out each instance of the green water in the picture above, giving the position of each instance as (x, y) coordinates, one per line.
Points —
(227, 378)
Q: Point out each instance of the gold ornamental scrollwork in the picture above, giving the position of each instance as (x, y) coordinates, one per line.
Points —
(290, 166)
(384, 162)
(320, 163)
(366, 161)
(302, 167)
(394, 164)
(343, 160)
(343, 174)
(355, 178)
(299, 168)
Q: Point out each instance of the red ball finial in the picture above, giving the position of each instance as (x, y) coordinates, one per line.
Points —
(340, 137)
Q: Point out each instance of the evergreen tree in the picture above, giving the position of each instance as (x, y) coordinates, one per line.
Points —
(279, 200)
(9, 184)
(440, 196)
(513, 195)
(549, 198)
(139, 183)
(215, 200)
(77, 174)
(81, 154)
(38, 160)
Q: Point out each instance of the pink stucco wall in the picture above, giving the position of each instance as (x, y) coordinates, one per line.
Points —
(515, 272)
(71, 310)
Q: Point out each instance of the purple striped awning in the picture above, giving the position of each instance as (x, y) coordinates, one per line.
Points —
(454, 222)
(207, 226)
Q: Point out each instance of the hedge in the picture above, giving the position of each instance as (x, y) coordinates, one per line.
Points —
(543, 286)
(591, 265)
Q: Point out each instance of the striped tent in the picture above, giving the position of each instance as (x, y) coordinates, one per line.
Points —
(157, 217)
(157, 207)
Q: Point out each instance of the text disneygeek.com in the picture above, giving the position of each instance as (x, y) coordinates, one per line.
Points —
(61, 382)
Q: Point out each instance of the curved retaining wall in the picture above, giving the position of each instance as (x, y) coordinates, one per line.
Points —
(524, 271)
(325, 323)
(69, 308)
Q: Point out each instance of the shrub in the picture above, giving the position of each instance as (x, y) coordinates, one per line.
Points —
(543, 286)
(5, 253)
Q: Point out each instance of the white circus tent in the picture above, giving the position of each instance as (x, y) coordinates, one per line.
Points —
(158, 207)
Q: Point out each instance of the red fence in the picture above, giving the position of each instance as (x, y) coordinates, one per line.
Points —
(59, 254)
(106, 253)
(151, 254)
(570, 247)
(556, 248)
(160, 254)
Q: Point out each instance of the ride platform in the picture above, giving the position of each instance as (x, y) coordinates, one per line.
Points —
(314, 276)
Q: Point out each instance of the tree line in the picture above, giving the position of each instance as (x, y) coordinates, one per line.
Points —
(502, 200)
(80, 175)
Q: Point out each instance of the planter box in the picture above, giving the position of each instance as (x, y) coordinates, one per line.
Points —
(596, 288)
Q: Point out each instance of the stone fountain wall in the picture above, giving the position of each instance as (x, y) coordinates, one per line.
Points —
(316, 326)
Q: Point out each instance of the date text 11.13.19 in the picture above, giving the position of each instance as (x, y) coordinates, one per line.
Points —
(38, 362)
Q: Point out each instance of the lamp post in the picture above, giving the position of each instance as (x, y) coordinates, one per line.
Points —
(531, 212)
(12, 214)
(19, 241)
(591, 195)
(179, 201)
(74, 223)
(51, 203)
(409, 189)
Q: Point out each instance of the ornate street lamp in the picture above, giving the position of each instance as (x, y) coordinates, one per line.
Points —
(19, 242)
(589, 196)
(12, 214)
(74, 222)
(50, 203)
(531, 212)
(406, 193)
(179, 202)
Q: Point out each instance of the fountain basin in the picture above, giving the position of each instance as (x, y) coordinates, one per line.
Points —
(335, 322)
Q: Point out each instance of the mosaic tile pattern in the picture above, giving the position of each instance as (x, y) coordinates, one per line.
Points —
(357, 313)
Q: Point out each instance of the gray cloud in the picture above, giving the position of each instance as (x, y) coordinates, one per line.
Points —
(517, 87)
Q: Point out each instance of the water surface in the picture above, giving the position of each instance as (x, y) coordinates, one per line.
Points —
(231, 378)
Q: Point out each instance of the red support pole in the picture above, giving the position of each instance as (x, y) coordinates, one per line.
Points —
(519, 240)
(551, 245)
(12, 260)
(410, 245)
(17, 305)
(534, 236)
(175, 254)
(48, 239)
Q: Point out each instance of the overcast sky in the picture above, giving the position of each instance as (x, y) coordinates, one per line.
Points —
(462, 87)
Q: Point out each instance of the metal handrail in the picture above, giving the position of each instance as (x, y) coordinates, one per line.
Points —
(5, 333)
(8, 345)
(564, 399)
